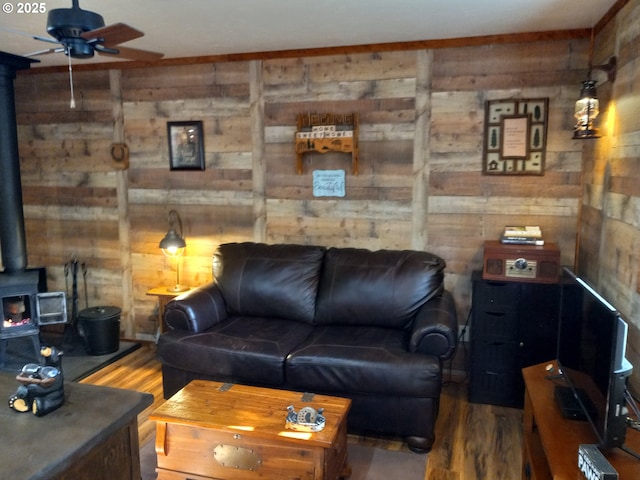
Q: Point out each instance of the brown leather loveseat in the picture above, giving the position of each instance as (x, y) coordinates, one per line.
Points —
(371, 326)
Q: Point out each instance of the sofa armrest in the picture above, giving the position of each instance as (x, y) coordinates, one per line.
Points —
(196, 310)
(435, 328)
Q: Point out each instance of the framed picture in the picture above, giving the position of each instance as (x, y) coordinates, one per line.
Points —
(186, 145)
(515, 136)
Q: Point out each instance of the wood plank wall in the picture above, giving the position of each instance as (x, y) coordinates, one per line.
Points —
(420, 183)
(609, 245)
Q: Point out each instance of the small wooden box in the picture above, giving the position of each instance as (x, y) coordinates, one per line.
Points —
(237, 432)
(521, 263)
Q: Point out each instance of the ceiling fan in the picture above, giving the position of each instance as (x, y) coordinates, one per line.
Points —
(81, 33)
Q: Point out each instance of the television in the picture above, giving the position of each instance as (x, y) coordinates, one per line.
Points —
(592, 341)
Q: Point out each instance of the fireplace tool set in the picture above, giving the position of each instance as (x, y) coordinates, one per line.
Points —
(71, 333)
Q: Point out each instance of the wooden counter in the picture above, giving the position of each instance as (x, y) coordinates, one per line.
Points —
(93, 435)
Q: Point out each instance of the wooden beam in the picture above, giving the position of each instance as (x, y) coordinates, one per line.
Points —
(122, 189)
(256, 109)
(610, 15)
(422, 150)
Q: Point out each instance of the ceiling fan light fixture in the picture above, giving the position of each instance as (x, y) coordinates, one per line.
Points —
(77, 48)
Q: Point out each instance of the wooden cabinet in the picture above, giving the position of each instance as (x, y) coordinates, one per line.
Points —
(550, 441)
(513, 325)
(328, 132)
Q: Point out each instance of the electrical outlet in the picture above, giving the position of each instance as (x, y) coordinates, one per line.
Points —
(464, 333)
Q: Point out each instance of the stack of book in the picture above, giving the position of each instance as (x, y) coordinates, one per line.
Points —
(522, 235)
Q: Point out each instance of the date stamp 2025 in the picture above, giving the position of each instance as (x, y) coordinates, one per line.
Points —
(20, 8)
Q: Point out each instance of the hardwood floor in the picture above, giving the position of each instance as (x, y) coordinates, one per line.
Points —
(140, 370)
(473, 441)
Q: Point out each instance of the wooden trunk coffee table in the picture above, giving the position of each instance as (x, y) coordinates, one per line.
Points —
(237, 432)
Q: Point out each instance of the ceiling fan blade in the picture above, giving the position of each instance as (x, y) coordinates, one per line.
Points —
(112, 35)
(44, 39)
(45, 52)
(133, 54)
(35, 37)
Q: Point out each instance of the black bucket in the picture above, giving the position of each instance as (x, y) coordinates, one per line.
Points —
(100, 329)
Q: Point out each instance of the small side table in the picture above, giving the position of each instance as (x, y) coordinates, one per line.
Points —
(164, 294)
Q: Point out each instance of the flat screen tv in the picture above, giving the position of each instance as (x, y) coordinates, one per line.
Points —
(592, 341)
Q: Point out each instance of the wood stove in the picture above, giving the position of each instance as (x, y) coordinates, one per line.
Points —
(19, 286)
(26, 306)
(18, 293)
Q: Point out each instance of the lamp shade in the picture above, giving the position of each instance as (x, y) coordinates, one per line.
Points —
(172, 244)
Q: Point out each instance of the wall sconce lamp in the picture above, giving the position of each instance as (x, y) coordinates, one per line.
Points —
(173, 245)
(588, 107)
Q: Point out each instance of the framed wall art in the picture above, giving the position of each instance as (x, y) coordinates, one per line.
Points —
(515, 136)
(186, 145)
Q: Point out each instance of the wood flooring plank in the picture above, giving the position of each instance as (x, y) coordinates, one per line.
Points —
(140, 371)
(441, 474)
(473, 441)
(442, 454)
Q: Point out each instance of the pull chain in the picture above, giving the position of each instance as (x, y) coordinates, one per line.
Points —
(72, 103)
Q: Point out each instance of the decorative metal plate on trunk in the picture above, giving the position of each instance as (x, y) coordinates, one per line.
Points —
(237, 457)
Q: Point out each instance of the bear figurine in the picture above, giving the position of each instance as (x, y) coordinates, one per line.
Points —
(42, 387)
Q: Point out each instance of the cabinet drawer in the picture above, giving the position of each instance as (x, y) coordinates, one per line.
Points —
(495, 323)
(495, 355)
(545, 298)
(488, 292)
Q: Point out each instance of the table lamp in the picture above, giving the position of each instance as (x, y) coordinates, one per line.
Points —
(173, 245)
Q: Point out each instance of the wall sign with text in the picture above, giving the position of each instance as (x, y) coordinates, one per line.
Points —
(328, 183)
(515, 136)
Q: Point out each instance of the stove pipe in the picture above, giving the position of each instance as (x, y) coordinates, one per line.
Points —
(12, 231)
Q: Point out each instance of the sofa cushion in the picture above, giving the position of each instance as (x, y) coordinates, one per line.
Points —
(362, 360)
(247, 349)
(279, 281)
(384, 288)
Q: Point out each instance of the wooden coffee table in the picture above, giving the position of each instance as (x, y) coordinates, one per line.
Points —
(237, 432)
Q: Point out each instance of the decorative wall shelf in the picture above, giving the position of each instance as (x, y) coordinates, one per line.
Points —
(327, 132)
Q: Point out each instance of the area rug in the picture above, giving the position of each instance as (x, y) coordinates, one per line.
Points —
(76, 362)
(367, 463)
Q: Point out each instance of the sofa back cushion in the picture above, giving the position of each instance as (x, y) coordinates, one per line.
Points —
(279, 281)
(382, 288)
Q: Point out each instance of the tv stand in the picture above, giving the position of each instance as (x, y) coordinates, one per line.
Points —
(550, 441)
